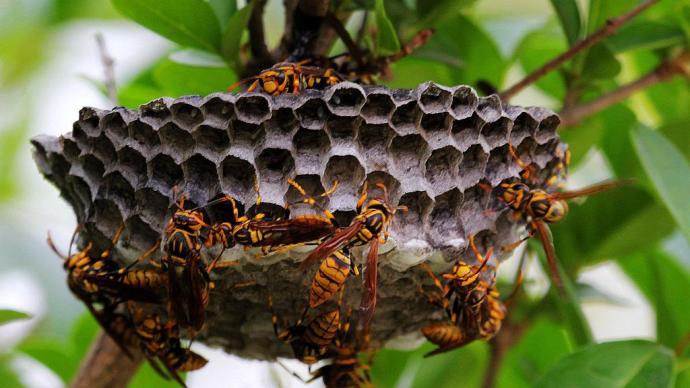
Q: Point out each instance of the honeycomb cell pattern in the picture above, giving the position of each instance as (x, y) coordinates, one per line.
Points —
(431, 146)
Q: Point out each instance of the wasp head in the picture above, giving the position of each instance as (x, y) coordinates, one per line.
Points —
(557, 210)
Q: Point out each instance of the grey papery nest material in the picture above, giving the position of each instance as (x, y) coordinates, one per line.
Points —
(430, 146)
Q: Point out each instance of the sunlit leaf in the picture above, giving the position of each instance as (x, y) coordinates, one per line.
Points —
(431, 12)
(387, 42)
(232, 36)
(646, 35)
(7, 316)
(178, 80)
(187, 22)
(600, 63)
(633, 363)
(223, 10)
(537, 48)
(569, 15)
(406, 73)
(198, 58)
(669, 172)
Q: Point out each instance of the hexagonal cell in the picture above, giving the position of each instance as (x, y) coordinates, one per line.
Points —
(246, 134)
(70, 148)
(152, 206)
(284, 120)
(132, 162)
(273, 166)
(408, 154)
(350, 173)
(475, 214)
(466, 132)
(525, 151)
(163, 173)
(89, 121)
(140, 234)
(489, 108)
(310, 146)
(254, 108)
(201, 178)
(114, 126)
(524, 126)
(218, 110)
(496, 133)
(79, 134)
(156, 109)
(442, 168)
(185, 114)
(392, 186)
(419, 206)
(79, 193)
(345, 99)
(237, 178)
(118, 189)
(464, 102)
(433, 98)
(211, 139)
(436, 126)
(445, 229)
(313, 187)
(373, 141)
(313, 113)
(107, 216)
(484, 240)
(543, 153)
(93, 168)
(377, 108)
(406, 118)
(342, 128)
(547, 128)
(103, 149)
(499, 165)
(472, 166)
(176, 141)
(143, 134)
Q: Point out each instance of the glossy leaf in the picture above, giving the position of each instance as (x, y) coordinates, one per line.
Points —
(232, 36)
(669, 172)
(678, 133)
(7, 316)
(187, 22)
(539, 348)
(223, 10)
(569, 16)
(646, 35)
(615, 140)
(634, 363)
(661, 278)
(431, 12)
(600, 64)
(537, 48)
(442, 371)
(406, 73)
(387, 42)
(178, 80)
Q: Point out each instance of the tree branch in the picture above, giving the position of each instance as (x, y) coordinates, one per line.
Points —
(662, 73)
(106, 365)
(508, 336)
(257, 37)
(108, 69)
(611, 26)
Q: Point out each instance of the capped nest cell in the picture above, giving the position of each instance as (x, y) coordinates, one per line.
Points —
(431, 147)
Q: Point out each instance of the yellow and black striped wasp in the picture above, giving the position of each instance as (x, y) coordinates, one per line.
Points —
(309, 341)
(368, 227)
(290, 77)
(539, 208)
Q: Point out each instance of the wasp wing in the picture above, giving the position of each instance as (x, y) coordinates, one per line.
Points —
(296, 230)
(594, 189)
(327, 248)
(367, 305)
(550, 252)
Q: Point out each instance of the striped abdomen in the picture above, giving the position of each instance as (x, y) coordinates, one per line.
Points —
(322, 330)
(329, 278)
(443, 334)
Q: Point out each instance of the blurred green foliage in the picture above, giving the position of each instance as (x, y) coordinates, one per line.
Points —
(646, 137)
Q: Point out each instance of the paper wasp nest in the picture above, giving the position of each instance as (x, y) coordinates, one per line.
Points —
(430, 146)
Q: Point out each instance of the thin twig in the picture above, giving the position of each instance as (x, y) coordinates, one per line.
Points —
(108, 69)
(682, 345)
(611, 26)
(662, 73)
(106, 365)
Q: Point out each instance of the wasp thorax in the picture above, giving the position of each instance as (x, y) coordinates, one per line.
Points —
(190, 220)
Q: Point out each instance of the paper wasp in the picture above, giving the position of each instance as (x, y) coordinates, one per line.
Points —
(308, 341)
(538, 208)
(370, 224)
(290, 77)
(273, 234)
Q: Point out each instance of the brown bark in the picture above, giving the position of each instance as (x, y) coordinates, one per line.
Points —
(106, 365)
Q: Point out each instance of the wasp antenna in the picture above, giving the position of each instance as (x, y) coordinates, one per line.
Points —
(71, 240)
(52, 246)
(238, 83)
(330, 191)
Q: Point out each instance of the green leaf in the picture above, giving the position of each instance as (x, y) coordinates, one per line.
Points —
(442, 371)
(646, 35)
(537, 48)
(543, 345)
(407, 74)
(179, 80)
(232, 36)
(147, 377)
(634, 363)
(661, 278)
(142, 89)
(223, 10)
(600, 64)
(678, 133)
(616, 124)
(12, 139)
(7, 316)
(569, 15)
(8, 376)
(387, 42)
(669, 172)
(83, 333)
(187, 22)
(54, 355)
(432, 12)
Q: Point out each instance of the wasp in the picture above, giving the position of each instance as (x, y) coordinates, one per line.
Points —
(256, 231)
(188, 278)
(292, 77)
(331, 276)
(539, 208)
(370, 224)
(309, 341)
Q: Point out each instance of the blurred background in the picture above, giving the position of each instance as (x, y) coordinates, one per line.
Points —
(621, 251)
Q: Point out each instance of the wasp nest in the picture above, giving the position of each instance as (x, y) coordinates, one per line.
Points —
(430, 146)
